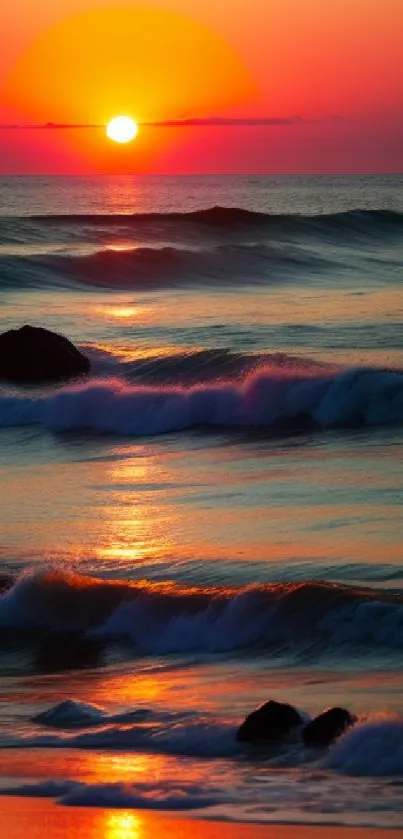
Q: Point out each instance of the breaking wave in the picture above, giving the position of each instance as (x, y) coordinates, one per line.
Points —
(166, 796)
(372, 748)
(272, 397)
(164, 618)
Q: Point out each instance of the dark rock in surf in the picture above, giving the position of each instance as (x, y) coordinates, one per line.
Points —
(271, 722)
(327, 726)
(33, 355)
(6, 582)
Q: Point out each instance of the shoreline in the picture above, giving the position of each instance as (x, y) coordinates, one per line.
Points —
(41, 818)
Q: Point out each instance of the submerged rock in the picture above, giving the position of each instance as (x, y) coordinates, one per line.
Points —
(32, 354)
(272, 721)
(327, 726)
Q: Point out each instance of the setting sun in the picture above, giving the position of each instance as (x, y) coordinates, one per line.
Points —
(122, 129)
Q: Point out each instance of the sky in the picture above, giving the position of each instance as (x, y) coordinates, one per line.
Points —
(268, 86)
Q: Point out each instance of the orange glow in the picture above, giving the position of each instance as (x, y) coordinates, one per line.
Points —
(158, 65)
(132, 529)
(26, 817)
(277, 58)
(124, 825)
(123, 311)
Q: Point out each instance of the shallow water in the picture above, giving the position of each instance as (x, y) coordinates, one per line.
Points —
(212, 518)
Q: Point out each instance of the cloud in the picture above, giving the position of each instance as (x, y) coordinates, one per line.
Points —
(187, 122)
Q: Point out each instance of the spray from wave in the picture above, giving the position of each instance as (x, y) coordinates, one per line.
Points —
(161, 618)
(269, 398)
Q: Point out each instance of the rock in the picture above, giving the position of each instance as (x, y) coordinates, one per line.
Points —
(272, 721)
(6, 582)
(326, 727)
(33, 354)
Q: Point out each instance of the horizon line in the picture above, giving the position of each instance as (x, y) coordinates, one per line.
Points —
(187, 122)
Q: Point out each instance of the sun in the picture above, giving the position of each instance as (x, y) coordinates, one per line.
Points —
(122, 129)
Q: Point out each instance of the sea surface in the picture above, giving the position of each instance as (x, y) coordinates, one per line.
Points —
(212, 518)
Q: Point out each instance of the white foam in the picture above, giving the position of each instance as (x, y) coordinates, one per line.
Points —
(270, 396)
(371, 748)
(199, 738)
(377, 622)
(160, 621)
(222, 624)
(164, 796)
(72, 714)
(167, 795)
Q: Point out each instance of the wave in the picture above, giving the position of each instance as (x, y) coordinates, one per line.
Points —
(220, 245)
(213, 223)
(373, 747)
(163, 618)
(71, 714)
(142, 795)
(194, 367)
(143, 268)
(273, 397)
(222, 217)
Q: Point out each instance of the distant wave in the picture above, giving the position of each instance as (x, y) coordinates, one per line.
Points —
(215, 216)
(213, 246)
(163, 618)
(229, 216)
(213, 220)
(275, 397)
(153, 267)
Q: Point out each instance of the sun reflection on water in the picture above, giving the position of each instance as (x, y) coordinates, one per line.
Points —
(123, 311)
(122, 825)
(137, 523)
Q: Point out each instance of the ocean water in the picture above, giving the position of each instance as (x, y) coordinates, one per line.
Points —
(211, 518)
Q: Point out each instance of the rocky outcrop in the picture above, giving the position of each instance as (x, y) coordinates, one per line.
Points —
(34, 355)
(271, 722)
(327, 726)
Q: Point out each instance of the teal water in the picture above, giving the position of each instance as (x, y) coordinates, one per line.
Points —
(212, 518)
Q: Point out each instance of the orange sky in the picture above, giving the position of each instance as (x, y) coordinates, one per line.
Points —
(88, 60)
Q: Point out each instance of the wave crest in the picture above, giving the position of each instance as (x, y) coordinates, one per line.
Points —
(161, 618)
(220, 216)
(221, 245)
(269, 398)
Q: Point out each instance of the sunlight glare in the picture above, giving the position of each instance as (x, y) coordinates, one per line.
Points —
(125, 825)
(122, 129)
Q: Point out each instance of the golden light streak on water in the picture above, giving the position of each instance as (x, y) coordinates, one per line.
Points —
(122, 825)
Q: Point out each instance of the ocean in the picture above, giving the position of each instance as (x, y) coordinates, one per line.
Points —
(212, 517)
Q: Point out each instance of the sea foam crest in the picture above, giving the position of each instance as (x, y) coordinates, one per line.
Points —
(161, 618)
(372, 748)
(269, 397)
(167, 795)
